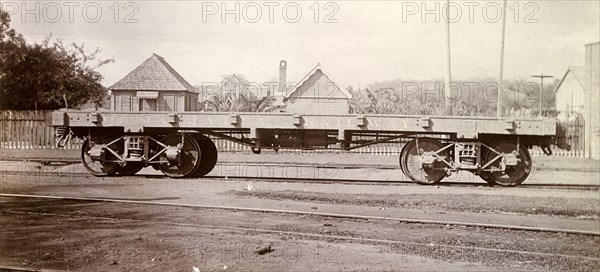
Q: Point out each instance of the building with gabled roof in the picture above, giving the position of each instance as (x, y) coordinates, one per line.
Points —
(153, 86)
(570, 92)
(317, 93)
(578, 96)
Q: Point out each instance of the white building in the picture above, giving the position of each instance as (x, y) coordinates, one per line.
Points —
(317, 93)
(570, 92)
(578, 94)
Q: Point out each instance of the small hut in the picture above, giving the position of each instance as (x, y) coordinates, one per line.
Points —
(153, 86)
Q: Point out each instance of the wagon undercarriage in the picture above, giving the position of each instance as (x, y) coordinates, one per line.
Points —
(179, 146)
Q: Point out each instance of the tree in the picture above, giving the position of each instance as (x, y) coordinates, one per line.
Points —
(48, 75)
(521, 98)
(234, 95)
(475, 97)
(8, 36)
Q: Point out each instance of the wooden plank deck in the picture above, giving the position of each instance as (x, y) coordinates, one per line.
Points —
(464, 127)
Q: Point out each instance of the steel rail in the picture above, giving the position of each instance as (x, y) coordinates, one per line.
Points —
(311, 235)
(561, 186)
(321, 214)
(287, 164)
(26, 269)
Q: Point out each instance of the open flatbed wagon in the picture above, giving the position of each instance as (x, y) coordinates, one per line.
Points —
(435, 146)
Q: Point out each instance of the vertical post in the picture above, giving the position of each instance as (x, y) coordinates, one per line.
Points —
(542, 76)
(448, 77)
(282, 78)
(501, 75)
(542, 96)
(570, 111)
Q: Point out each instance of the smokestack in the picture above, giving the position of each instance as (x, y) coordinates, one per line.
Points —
(282, 78)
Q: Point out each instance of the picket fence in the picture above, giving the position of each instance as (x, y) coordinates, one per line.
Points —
(32, 130)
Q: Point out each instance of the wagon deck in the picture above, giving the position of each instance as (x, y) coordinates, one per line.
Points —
(463, 127)
(434, 146)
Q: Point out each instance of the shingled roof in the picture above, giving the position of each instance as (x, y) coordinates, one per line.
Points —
(154, 74)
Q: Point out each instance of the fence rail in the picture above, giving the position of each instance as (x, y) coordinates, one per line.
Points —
(32, 130)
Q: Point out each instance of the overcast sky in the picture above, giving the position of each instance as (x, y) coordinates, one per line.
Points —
(358, 42)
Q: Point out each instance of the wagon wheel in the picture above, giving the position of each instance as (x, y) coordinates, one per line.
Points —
(190, 157)
(410, 160)
(485, 175)
(209, 155)
(110, 164)
(400, 159)
(130, 168)
(513, 175)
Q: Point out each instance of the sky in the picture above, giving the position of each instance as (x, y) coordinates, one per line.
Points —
(357, 42)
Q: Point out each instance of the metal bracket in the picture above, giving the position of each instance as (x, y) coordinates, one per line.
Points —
(424, 122)
(297, 119)
(546, 149)
(509, 125)
(172, 153)
(97, 152)
(509, 160)
(427, 158)
(95, 118)
(234, 119)
(361, 120)
(173, 118)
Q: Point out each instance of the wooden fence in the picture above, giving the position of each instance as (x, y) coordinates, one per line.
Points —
(576, 130)
(32, 130)
(29, 130)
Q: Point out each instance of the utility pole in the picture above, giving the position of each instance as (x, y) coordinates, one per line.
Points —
(501, 76)
(541, 77)
(448, 77)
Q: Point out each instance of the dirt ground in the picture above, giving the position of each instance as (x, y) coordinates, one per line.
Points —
(74, 235)
(100, 236)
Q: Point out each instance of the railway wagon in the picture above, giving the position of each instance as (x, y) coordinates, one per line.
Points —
(177, 143)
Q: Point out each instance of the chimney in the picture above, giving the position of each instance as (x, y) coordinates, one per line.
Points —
(282, 78)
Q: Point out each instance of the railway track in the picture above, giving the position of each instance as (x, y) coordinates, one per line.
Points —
(320, 180)
(532, 254)
(318, 235)
(306, 213)
(66, 161)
